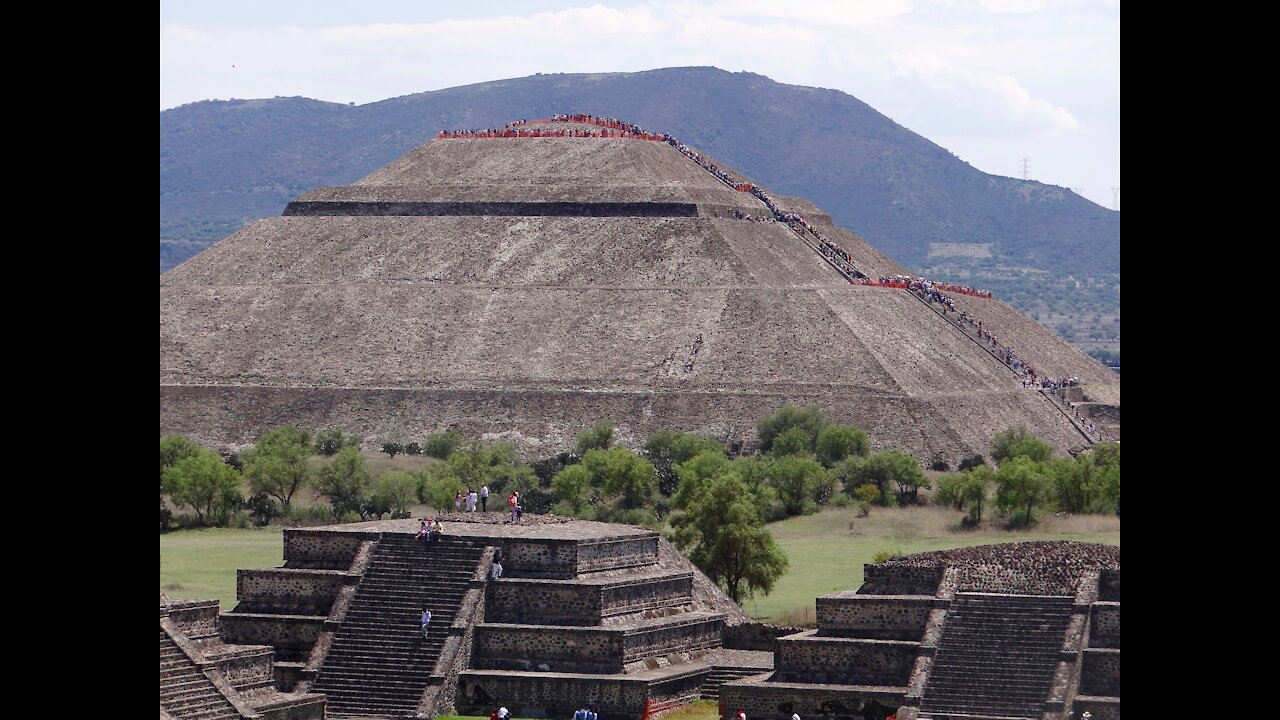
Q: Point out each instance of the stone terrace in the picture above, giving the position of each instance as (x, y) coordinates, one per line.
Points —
(585, 611)
(203, 678)
(1022, 630)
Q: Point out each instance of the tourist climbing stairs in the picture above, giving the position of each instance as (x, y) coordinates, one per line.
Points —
(997, 656)
(185, 692)
(379, 663)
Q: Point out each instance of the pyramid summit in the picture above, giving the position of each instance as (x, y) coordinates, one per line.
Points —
(526, 281)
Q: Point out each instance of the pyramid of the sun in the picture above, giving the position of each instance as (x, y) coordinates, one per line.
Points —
(533, 286)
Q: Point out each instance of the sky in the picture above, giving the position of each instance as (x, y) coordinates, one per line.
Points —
(1014, 87)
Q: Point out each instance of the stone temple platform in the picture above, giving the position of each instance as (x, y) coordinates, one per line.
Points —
(585, 612)
(1019, 630)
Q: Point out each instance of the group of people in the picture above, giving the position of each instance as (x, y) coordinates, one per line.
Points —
(430, 531)
(612, 128)
(470, 498)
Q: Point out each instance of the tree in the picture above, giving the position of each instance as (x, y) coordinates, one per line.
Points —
(572, 486)
(722, 533)
(620, 472)
(596, 437)
(345, 481)
(967, 488)
(1019, 442)
(442, 444)
(837, 442)
(1089, 482)
(392, 448)
(330, 441)
(792, 441)
(797, 480)
(393, 493)
(437, 486)
(205, 483)
(808, 418)
(667, 448)
(889, 471)
(277, 465)
(1021, 484)
(174, 448)
(972, 461)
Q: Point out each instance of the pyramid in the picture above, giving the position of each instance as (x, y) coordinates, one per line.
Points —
(524, 287)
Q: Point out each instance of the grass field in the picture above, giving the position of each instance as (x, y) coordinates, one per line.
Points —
(827, 552)
(202, 564)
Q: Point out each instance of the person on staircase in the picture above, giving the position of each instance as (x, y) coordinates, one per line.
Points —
(426, 621)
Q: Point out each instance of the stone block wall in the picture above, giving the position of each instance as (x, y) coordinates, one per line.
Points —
(809, 658)
(540, 558)
(1100, 672)
(320, 549)
(277, 588)
(589, 649)
(777, 701)
(292, 636)
(894, 580)
(880, 617)
(559, 696)
(1104, 625)
(1109, 585)
(542, 602)
(609, 554)
(197, 618)
(754, 635)
(635, 595)
(556, 602)
(556, 649)
(668, 636)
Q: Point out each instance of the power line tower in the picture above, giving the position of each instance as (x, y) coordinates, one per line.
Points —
(1115, 198)
(1026, 167)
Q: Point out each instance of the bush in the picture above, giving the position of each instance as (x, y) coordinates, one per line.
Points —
(972, 461)
(866, 495)
(310, 515)
(840, 500)
(329, 442)
(940, 466)
(263, 508)
(884, 555)
(392, 448)
(441, 445)
(413, 448)
(807, 418)
(596, 437)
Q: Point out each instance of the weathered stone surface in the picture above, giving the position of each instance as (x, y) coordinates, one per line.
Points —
(533, 325)
(885, 617)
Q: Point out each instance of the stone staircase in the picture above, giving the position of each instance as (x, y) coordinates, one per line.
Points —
(719, 676)
(379, 663)
(185, 692)
(997, 656)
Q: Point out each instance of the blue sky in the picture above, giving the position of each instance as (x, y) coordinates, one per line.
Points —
(994, 81)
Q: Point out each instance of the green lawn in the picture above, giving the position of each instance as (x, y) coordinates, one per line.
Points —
(827, 550)
(202, 564)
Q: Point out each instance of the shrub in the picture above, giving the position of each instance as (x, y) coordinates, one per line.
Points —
(884, 555)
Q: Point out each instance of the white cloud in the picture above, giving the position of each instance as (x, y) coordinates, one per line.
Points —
(1031, 71)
